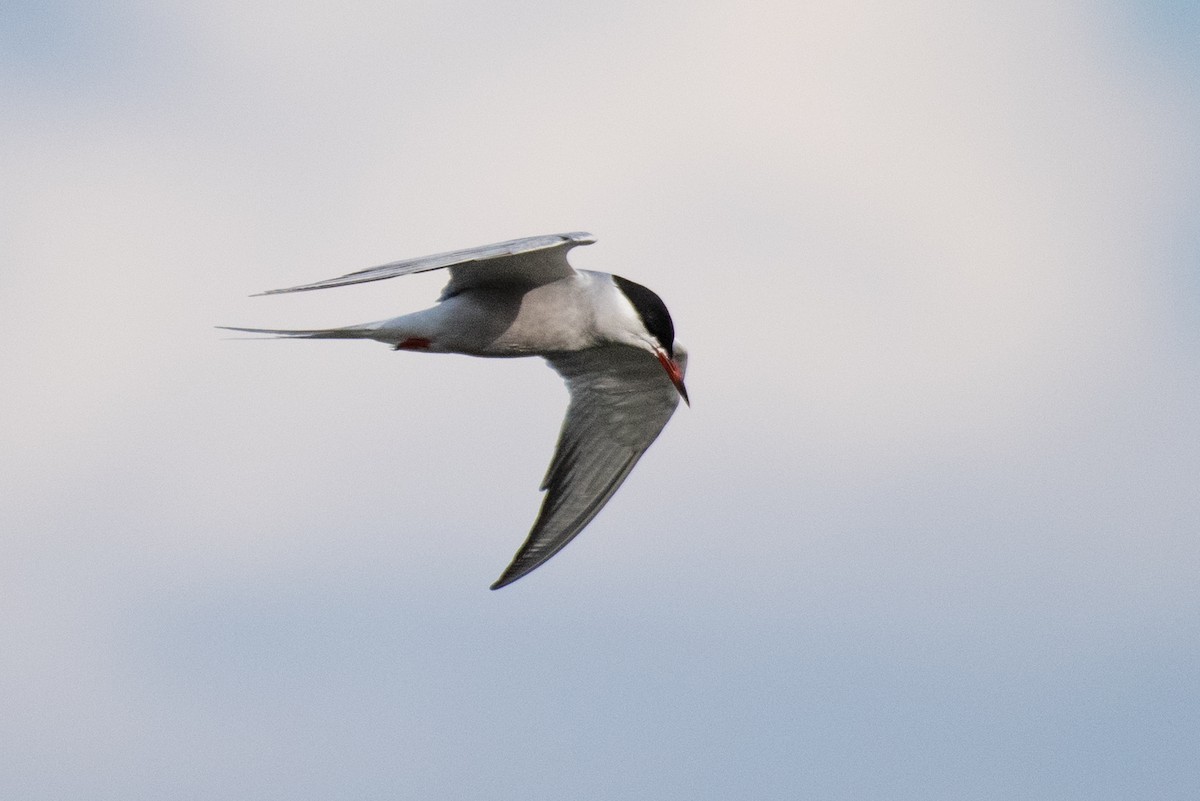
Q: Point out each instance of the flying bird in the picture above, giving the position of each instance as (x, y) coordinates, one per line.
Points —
(611, 340)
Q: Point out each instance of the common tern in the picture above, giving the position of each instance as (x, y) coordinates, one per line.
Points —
(611, 340)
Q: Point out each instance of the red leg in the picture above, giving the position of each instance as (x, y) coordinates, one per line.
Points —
(414, 343)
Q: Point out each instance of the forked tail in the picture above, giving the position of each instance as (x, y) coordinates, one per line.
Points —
(348, 332)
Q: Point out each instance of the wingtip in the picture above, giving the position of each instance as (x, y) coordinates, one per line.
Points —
(579, 237)
(512, 573)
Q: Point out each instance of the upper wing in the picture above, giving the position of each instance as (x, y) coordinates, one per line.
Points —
(620, 400)
(534, 260)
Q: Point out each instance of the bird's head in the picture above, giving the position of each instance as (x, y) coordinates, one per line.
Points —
(658, 332)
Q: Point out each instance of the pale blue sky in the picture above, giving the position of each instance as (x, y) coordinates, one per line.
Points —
(928, 532)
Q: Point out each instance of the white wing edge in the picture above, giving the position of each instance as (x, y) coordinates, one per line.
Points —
(439, 261)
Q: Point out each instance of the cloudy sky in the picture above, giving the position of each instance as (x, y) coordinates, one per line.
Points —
(928, 532)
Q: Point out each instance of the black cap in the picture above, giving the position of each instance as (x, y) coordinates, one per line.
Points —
(652, 310)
